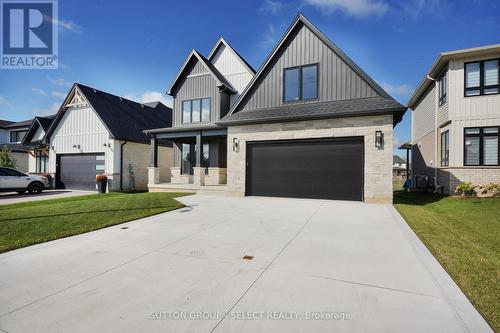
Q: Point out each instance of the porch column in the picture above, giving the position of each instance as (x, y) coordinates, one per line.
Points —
(153, 171)
(198, 171)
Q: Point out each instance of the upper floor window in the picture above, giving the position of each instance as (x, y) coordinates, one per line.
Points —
(442, 88)
(445, 148)
(300, 83)
(17, 136)
(196, 110)
(481, 146)
(482, 78)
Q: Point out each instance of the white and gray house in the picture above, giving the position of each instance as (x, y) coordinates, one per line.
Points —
(310, 123)
(456, 120)
(93, 133)
(11, 135)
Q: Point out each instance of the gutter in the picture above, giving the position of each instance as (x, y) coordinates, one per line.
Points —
(121, 164)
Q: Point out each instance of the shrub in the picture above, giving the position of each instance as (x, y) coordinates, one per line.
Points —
(465, 189)
(6, 158)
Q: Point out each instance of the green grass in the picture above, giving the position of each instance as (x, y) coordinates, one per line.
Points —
(29, 223)
(464, 236)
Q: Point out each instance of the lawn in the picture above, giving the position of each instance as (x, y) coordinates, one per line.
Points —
(464, 236)
(29, 223)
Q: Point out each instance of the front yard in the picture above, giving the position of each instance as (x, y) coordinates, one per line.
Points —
(29, 223)
(464, 236)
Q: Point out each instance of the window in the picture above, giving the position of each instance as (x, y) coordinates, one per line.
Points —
(445, 148)
(187, 159)
(442, 89)
(196, 110)
(300, 83)
(481, 146)
(41, 161)
(17, 136)
(205, 157)
(482, 78)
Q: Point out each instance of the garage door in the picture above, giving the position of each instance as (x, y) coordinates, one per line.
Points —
(319, 169)
(78, 171)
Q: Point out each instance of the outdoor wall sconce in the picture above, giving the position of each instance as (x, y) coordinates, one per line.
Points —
(76, 146)
(236, 145)
(107, 145)
(379, 139)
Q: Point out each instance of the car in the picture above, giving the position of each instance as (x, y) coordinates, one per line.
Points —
(12, 180)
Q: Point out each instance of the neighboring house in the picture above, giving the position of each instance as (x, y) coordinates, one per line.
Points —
(398, 166)
(93, 133)
(310, 123)
(456, 120)
(11, 135)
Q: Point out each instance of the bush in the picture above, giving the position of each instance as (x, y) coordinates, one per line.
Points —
(465, 189)
(6, 158)
(480, 191)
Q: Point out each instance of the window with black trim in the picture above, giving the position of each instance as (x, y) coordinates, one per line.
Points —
(445, 148)
(481, 146)
(17, 136)
(443, 82)
(300, 83)
(196, 110)
(482, 78)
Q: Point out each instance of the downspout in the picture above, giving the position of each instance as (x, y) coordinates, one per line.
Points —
(436, 136)
(121, 164)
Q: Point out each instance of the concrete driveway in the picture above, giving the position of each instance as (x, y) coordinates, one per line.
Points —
(13, 197)
(318, 266)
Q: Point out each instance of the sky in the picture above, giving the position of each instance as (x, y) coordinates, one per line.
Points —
(135, 48)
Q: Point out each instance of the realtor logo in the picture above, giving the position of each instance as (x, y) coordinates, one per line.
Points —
(29, 35)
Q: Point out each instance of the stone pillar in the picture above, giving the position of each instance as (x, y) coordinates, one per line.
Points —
(199, 176)
(153, 175)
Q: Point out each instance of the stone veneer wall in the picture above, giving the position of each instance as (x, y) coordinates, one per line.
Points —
(451, 177)
(378, 162)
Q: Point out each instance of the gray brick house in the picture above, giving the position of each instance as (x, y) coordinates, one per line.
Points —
(309, 123)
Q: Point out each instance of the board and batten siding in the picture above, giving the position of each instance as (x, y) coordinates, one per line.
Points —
(38, 134)
(233, 70)
(424, 113)
(80, 126)
(202, 85)
(337, 81)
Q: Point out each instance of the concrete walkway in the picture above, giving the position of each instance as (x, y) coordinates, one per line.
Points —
(318, 266)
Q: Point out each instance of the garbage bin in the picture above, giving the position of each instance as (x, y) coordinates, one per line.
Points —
(102, 182)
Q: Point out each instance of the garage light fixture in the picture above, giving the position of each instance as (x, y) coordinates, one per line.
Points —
(107, 145)
(379, 139)
(236, 145)
(76, 146)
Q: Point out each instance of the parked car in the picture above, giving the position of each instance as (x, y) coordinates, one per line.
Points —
(13, 180)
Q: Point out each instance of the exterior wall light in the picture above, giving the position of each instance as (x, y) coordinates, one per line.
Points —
(236, 145)
(76, 146)
(379, 139)
(107, 145)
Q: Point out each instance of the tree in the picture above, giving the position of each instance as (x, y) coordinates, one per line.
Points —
(6, 158)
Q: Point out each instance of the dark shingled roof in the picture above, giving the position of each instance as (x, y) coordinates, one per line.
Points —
(24, 123)
(126, 119)
(317, 110)
(14, 147)
(4, 123)
(46, 121)
(397, 159)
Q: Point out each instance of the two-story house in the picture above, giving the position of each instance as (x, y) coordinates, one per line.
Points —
(309, 123)
(11, 135)
(456, 120)
(95, 132)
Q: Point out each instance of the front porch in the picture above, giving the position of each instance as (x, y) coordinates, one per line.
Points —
(200, 157)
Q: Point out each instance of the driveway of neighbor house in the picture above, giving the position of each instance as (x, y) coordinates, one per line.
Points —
(311, 257)
(13, 197)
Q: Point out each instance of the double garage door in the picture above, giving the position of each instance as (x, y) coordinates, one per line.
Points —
(78, 171)
(330, 168)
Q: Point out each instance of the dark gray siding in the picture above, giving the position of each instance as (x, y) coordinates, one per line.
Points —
(200, 85)
(337, 81)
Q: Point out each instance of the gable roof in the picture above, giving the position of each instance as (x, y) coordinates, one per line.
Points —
(440, 63)
(125, 119)
(220, 80)
(16, 124)
(222, 42)
(300, 19)
(43, 122)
